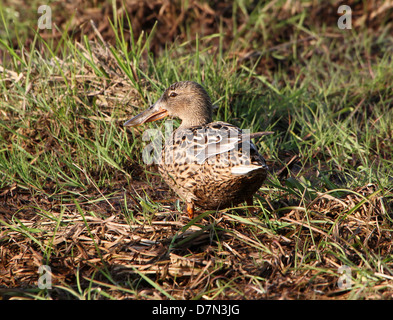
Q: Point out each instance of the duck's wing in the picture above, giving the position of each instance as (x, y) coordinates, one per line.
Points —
(221, 144)
(260, 134)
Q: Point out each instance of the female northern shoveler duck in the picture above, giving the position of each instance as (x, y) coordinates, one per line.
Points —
(212, 165)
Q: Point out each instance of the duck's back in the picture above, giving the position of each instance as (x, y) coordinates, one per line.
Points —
(214, 165)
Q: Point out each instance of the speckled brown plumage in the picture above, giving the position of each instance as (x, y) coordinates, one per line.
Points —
(212, 165)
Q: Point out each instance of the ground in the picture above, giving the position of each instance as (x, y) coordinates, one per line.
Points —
(76, 196)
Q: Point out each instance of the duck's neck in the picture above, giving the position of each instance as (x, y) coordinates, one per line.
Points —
(194, 122)
(197, 117)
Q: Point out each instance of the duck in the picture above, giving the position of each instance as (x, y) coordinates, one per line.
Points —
(210, 165)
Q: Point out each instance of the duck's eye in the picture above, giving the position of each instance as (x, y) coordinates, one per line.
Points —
(173, 94)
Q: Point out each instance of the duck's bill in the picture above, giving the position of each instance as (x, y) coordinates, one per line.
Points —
(151, 114)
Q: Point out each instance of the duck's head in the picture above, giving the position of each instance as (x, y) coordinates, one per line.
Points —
(186, 100)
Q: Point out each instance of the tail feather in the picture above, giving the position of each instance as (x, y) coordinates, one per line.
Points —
(246, 169)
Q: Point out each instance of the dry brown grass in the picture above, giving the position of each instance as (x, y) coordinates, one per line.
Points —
(227, 247)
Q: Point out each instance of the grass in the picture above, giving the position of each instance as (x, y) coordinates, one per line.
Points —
(76, 195)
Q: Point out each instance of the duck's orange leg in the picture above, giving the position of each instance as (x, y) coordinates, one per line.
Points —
(190, 210)
(250, 204)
